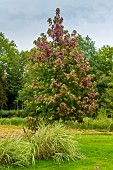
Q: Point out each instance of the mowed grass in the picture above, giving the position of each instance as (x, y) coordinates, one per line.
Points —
(96, 146)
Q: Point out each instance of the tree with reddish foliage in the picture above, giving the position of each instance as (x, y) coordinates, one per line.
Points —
(61, 86)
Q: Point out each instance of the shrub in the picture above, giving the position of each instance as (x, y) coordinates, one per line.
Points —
(12, 113)
(101, 123)
(7, 113)
(12, 121)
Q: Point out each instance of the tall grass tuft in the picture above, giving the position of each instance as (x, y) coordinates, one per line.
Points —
(16, 151)
(52, 141)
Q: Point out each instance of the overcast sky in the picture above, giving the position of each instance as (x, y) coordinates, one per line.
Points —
(24, 20)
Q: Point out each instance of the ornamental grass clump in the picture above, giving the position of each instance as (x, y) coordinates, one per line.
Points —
(16, 151)
(52, 141)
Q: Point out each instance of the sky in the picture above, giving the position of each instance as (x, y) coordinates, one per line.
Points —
(24, 20)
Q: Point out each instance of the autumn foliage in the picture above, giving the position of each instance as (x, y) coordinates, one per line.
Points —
(61, 86)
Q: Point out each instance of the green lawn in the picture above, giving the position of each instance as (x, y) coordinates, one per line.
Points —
(98, 149)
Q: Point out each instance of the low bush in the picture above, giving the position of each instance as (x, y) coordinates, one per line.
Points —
(12, 113)
(12, 121)
(100, 123)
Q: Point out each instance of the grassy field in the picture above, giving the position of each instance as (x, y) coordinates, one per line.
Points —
(96, 146)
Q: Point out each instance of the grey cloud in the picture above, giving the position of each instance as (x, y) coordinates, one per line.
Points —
(24, 20)
(98, 13)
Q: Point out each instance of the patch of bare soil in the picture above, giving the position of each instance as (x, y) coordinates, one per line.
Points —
(9, 130)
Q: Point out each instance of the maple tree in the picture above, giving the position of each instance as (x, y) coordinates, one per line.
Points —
(59, 83)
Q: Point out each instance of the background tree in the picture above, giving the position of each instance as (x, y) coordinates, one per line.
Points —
(11, 63)
(102, 67)
(3, 86)
(59, 85)
(87, 46)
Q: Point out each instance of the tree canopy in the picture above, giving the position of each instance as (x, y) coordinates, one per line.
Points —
(59, 85)
(11, 68)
